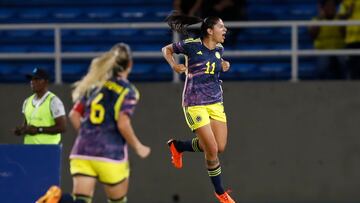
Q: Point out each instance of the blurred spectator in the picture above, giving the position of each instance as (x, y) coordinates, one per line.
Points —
(329, 37)
(227, 10)
(188, 7)
(350, 9)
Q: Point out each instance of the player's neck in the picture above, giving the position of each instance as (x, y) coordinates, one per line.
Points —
(123, 75)
(210, 44)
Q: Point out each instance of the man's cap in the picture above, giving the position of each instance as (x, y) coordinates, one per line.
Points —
(38, 73)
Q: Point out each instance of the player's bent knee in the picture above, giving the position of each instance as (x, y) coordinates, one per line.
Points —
(211, 151)
(221, 148)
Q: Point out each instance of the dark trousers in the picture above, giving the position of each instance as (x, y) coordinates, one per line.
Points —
(332, 67)
(353, 62)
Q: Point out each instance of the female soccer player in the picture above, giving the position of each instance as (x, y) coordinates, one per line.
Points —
(105, 101)
(202, 95)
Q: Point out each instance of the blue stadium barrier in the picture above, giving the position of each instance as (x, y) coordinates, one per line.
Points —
(27, 171)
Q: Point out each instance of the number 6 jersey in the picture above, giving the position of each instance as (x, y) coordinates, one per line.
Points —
(99, 137)
(202, 84)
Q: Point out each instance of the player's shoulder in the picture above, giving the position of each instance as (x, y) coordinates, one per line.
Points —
(116, 85)
(134, 91)
(192, 41)
(131, 87)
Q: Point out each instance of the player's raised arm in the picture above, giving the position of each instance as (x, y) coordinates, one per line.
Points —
(168, 52)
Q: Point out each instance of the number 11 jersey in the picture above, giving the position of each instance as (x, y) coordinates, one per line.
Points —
(202, 84)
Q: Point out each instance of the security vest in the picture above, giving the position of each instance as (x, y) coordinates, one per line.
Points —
(40, 115)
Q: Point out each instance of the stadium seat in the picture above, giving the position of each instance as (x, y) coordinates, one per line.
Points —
(159, 13)
(88, 33)
(281, 10)
(6, 15)
(7, 69)
(163, 72)
(148, 47)
(141, 68)
(275, 70)
(33, 15)
(49, 34)
(157, 35)
(280, 46)
(14, 48)
(142, 72)
(79, 48)
(101, 14)
(163, 68)
(21, 33)
(66, 14)
(134, 14)
(238, 71)
(48, 48)
(73, 71)
(308, 70)
(251, 47)
(243, 68)
(303, 11)
(123, 32)
(9, 74)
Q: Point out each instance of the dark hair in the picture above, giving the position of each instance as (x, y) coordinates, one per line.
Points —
(323, 2)
(179, 23)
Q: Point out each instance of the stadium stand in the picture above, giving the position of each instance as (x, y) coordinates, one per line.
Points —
(94, 40)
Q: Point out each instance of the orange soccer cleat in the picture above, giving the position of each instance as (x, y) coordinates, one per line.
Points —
(176, 156)
(224, 198)
(53, 195)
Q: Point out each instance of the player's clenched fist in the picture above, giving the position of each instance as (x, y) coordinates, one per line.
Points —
(225, 65)
(179, 68)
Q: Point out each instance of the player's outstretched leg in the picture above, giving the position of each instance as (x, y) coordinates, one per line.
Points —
(177, 147)
(176, 156)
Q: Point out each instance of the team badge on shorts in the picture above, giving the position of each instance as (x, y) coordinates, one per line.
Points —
(217, 54)
(198, 119)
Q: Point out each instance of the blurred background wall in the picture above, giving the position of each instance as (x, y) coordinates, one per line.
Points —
(288, 142)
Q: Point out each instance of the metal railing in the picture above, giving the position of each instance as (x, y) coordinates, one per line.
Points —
(294, 52)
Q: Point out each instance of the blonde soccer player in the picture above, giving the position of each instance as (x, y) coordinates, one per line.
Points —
(105, 100)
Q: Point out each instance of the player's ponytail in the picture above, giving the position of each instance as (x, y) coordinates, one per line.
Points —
(122, 53)
(179, 22)
(102, 68)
